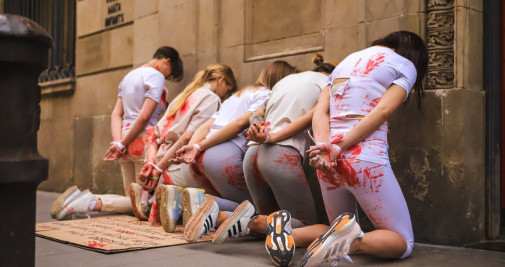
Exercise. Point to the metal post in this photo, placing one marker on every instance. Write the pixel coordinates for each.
(24, 49)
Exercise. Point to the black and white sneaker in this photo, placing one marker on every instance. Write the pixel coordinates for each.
(203, 220)
(236, 225)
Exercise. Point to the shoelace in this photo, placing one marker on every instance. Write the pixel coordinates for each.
(336, 259)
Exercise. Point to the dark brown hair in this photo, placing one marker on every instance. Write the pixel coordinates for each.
(175, 62)
(412, 47)
(321, 65)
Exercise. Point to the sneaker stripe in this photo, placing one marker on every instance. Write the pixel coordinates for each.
(229, 233)
(210, 220)
(234, 229)
(239, 227)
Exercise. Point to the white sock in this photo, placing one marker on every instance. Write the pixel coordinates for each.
(92, 205)
(144, 197)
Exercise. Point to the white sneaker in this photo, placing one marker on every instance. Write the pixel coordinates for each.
(236, 225)
(63, 200)
(79, 204)
(170, 206)
(191, 200)
(334, 244)
(203, 220)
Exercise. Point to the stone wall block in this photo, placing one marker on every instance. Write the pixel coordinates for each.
(468, 48)
(231, 23)
(58, 149)
(234, 57)
(382, 27)
(121, 47)
(56, 112)
(145, 8)
(476, 5)
(337, 48)
(97, 94)
(381, 9)
(464, 126)
(88, 20)
(92, 53)
(107, 177)
(207, 27)
(146, 38)
(415, 6)
(177, 23)
(83, 149)
(340, 13)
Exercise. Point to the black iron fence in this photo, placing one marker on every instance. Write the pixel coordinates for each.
(57, 17)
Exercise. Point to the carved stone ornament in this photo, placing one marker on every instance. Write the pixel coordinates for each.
(440, 42)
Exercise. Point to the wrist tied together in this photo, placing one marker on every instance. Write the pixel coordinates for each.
(119, 144)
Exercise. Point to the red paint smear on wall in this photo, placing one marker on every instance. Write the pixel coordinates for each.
(136, 147)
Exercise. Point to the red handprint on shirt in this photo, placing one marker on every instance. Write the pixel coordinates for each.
(372, 63)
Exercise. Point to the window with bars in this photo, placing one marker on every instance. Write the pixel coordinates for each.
(57, 17)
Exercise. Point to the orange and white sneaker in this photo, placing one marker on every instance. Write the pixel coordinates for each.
(279, 243)
(335, 243)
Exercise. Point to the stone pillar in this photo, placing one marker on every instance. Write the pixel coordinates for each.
(23, 55)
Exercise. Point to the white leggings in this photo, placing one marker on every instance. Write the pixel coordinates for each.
(375, 188)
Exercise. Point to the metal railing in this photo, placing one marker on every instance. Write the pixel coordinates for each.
(57, 17)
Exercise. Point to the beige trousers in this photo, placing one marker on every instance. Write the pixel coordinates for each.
(131, 164)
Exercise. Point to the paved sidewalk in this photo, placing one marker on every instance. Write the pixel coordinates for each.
(244, 253)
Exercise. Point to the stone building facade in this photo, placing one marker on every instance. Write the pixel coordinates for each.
(438, 151)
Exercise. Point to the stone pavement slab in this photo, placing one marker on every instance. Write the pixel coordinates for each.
(244, 252)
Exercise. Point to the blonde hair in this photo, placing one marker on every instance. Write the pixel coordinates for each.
(212, 72)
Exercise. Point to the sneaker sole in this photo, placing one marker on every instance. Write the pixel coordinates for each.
(280, 245)
(337, 228)
(135, 206)
(187, 206)
(222, 232)
(194, 224)
(57, 205)
(166, 216)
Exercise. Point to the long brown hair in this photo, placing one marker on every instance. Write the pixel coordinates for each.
(412, 47)
(212, 72)
(270, 75)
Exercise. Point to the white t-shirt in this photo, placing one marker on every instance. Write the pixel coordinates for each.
(138, 84)
(371, 72)
(291, 98)
(234, 107)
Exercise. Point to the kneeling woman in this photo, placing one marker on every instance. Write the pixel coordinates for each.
(352, 154)
(221, 143)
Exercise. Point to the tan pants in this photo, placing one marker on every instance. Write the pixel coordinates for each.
(131, 164)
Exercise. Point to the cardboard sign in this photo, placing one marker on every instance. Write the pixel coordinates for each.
(111, 234)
